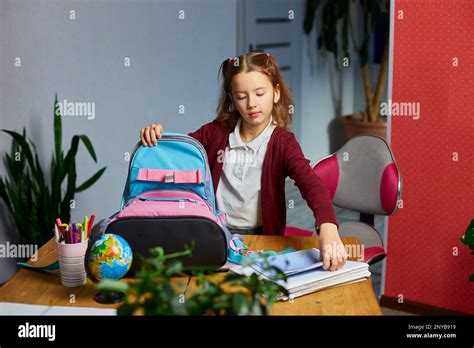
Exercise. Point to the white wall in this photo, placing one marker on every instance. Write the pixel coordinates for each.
(173, 62)
(320, 131)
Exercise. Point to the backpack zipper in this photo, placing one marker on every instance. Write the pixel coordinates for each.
(163, 199)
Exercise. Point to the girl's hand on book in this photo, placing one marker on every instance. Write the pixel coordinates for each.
(332, 249)
(150, 134)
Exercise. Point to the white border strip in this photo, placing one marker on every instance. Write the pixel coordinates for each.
(389, 126)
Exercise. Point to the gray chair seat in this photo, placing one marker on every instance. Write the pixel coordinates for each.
(372, 248)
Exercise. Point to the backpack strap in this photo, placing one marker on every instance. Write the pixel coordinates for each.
(239, 253)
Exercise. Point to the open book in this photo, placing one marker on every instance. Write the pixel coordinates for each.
(304, 272)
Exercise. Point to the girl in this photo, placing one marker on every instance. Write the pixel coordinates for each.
(251, 152)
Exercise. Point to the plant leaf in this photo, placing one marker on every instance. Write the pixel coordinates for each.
(91, 181)
(240, 304)
(345, 34)
(112, 285)
(25, 147)
(4, 194)
(69, 169)
(311, 8)
(70, 157)
(88, 146)
(57, 129)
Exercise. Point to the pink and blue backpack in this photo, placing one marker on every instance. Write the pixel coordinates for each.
(169, 201)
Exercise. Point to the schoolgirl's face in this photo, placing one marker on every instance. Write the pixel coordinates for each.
(253, 96)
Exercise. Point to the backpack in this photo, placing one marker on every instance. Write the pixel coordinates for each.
(169, 201)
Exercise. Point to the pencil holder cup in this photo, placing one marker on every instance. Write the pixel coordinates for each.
(71, 263)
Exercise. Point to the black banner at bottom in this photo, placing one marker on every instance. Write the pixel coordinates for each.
(45, 330)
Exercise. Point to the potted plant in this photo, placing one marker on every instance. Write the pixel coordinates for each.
(331, 39)
(33, 203)
(153, 291)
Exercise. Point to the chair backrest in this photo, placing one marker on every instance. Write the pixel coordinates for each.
(363, 176)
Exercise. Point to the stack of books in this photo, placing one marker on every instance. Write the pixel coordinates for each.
(304, 272)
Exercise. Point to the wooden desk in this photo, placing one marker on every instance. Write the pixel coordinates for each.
(45, 288)
(351, 299)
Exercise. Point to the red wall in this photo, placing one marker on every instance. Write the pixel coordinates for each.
(438, 192)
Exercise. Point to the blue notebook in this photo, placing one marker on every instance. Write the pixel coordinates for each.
(291, 263)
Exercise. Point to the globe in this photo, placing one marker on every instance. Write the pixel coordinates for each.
(110, 257)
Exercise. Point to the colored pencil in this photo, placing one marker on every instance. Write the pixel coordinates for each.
(60, 226)
(91, 224)
(74, 229)
(71, 236)
(85, 227)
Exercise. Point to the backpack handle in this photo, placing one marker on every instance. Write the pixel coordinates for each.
(170, 176)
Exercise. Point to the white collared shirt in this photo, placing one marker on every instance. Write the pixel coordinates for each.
(238, 192)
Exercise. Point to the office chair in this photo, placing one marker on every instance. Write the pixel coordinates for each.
(362, 176)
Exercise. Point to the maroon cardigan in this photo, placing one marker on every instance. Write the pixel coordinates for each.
(283, 158)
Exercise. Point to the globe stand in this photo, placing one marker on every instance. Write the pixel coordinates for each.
(109, 297)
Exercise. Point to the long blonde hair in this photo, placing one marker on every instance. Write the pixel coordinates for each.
(263, 63)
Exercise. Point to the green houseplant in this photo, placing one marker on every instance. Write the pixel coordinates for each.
(154, 292)
(33, 203)
(330, 38)
(468, 239)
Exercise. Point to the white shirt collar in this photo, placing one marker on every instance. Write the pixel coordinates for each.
(236, 141)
